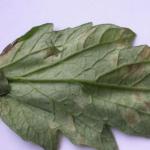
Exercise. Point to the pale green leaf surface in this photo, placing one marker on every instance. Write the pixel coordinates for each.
(59, 46)
(30, 123)
(79, 82)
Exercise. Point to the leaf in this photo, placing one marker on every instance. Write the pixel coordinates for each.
(31, 123)
(4, 86)
(79, 82)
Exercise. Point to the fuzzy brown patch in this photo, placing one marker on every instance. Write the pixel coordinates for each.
(8, 48)
(138, 96)
(137, 68)
(135, 71)
(131, 118)
(145, 54)
(147, 104)
(53, 51)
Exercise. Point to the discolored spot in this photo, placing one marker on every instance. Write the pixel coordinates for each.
(145, 107)
(8, 48)
(53, 51)
(145, 54)
(138, 96)
(147, 104)
(131, 118)
(81, 140)
(136, 69)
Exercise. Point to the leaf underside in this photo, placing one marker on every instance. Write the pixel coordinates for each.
(78, 82)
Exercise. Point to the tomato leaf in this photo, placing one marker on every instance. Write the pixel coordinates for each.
(78, 82)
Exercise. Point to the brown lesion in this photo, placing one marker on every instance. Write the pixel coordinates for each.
(135, 68)
(8, 48)
(53, 51)
(147, 105)
(135, 71)
(144, 54)
(131, 118)
(132, 72)
(138, 96)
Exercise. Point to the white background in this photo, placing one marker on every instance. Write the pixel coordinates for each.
(18, 16)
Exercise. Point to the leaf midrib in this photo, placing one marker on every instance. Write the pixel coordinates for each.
(78, 81)
(92, 84)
